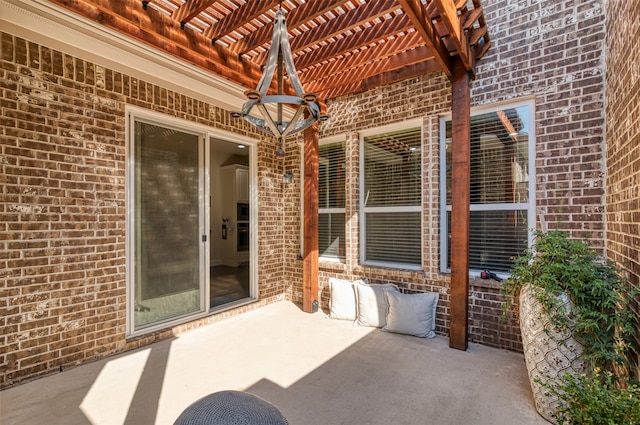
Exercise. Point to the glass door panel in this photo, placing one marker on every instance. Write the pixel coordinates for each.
(231, 223)
(167, 224)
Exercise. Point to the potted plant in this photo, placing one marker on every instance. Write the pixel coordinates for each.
(575, 318)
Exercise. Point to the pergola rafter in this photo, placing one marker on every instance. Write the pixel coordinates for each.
(323, 34)
(190, 9)
(300, 15)
(342, 24)
(385, 49)
(389, 27)
(370, 69)
(239, 17)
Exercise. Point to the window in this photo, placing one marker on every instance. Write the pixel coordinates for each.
(391, 199)
(501, 192)
(331, 194)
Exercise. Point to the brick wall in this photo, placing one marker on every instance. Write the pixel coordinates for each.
(547, 50)
(623, 136)
(62, 186)
(555, 52)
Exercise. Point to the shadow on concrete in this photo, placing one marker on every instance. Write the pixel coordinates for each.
(395, 379)
(146, 400)
(72, 401)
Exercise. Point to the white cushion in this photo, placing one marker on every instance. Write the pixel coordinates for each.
(372, 306)
(342, 304)
(412, 314)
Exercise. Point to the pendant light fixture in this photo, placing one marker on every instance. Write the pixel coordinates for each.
(279, 59)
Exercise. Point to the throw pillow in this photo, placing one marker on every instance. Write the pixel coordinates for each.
(342, 304)
(372, 306)
(412, 314)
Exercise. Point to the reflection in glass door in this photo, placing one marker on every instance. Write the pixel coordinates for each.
(167, 228)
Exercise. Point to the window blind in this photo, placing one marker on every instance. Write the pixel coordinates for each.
(392, 169)
(499, 188)
(392, 197)
(331, 200)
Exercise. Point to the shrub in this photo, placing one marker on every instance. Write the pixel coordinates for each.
(600, 297)
(597, 399)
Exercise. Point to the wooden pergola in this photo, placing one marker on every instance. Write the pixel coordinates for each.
(340, 47)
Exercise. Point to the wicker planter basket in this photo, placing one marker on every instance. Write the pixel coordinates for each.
(549, 352)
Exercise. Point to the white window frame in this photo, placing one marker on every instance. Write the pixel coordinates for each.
(528, 206)
(404, 125)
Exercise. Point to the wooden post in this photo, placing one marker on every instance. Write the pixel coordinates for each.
(460, 186)
(310, 250)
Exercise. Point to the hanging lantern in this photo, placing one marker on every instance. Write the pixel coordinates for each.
(279, 59)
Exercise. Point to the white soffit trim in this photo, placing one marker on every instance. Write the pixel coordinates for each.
(45, 23)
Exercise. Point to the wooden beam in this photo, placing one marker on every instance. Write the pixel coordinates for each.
(156, 29)
(449, 15)
(392, 63)
(383, 79)
(356, 17)
(310, 250)
(481, 49)
(340, 25)
(460, 198)
(506, 123)
(189, 9)
(239, 17)
(301, 14)
(362, 38)
(477, 34)
(362, 57)
(470, 18)
(420, 19)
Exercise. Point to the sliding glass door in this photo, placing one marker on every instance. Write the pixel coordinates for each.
(167, 227)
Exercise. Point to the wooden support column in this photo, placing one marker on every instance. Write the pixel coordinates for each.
(460, 186)
(310, 250)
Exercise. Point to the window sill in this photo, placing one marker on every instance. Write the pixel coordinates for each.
(484, 283)
(335, 264)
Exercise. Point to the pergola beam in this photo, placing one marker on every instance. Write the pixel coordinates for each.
(418, 15)
(506, 123)
(385, 78)
(310, 230)
(449, 15)
(154, 28)
(460, 198)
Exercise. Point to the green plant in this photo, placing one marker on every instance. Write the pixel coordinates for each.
(600, 297)
(596, 399)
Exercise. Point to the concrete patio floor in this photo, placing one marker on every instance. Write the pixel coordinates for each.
(315, 370)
